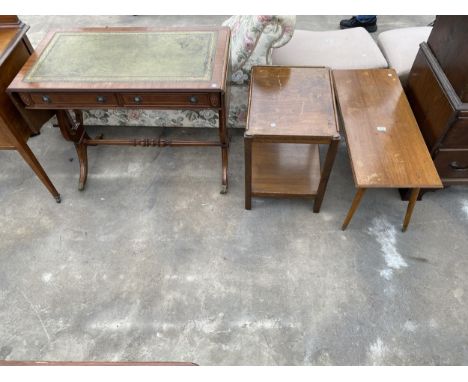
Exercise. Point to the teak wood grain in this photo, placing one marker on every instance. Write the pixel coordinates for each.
(280, 169)
(385, 144)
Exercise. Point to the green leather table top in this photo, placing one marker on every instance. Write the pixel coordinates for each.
(126, 57)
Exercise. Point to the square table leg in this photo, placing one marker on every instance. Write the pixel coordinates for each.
(327, 167)
(354, 206)
(248, 172)
(409, 210)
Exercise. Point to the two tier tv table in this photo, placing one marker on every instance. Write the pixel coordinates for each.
(291, 111)
(142, 68)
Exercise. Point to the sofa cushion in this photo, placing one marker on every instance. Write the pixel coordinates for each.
(400, 47)
(337, 49)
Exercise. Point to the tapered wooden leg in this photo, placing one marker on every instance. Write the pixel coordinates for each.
(354, 206)
(409, 211)
(31, 159)
(248, 172)
(224, 138)
(26, 153)
(327, 167)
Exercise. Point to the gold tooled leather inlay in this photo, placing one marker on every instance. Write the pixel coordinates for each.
(126, 56)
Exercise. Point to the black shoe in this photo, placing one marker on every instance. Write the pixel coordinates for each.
(353, 22)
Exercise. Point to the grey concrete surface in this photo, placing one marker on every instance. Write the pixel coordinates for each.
(150, 262)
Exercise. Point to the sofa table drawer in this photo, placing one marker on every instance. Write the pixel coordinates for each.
(173, 100)
(71, 100)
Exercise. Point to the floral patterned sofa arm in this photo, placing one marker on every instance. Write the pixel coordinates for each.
(252, 40)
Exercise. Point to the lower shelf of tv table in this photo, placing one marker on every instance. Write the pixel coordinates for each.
(285, 169)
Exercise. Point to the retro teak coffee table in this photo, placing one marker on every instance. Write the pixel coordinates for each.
(291, 112)
(385, 146)
(105, 68)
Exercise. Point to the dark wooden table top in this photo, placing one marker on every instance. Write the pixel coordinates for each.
(384, 141)
(165, 59)
(291, 101)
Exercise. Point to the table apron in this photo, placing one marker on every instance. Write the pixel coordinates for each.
(127, 100)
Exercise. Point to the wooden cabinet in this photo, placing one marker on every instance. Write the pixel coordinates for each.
(438, 94)
(16, 123)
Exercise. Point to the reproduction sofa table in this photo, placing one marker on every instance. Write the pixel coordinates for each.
(384, 143)
(291, 111)
(140, 68)
(17, 125)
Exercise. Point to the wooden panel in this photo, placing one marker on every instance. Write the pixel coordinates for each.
(291, 101)
(429, 102)
(285, 169)
(170, 100)
(452, 163)
(383, 138)
(50, 100)
(6, 37)
(9, 20)
(5, 141)
(457, 137)
(8, 69)
(448, 42)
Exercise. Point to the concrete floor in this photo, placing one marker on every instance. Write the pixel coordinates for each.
(150, 262)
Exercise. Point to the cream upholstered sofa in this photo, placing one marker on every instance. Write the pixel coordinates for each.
(354, 49)
(400, 47)
(252, 40)
(337, 49)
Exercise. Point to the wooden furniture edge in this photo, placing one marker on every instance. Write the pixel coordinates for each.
(22, 29)
(93, 363)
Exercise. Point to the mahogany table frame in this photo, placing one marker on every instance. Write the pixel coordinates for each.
(190, 95)
(312, 135)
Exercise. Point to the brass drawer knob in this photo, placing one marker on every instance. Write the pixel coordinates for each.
(137, 99)
(46, 99)
(193, 99)
(101, 99)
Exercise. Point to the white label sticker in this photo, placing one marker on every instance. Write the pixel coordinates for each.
(381, 128)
